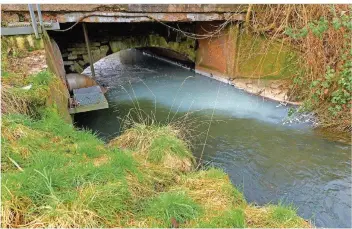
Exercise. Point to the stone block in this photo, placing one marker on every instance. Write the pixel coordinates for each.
(20, 42)
(81, 63)
(72, 57)
(103, 50)
(94, 44)
(79, 52)
(117, 46)
(25, 42)
(83, 45)
(96, 55)
(77, 68)
(68, 62)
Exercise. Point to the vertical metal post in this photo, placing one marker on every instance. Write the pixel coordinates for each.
(88, 49)
(34, 21)
(40, 17)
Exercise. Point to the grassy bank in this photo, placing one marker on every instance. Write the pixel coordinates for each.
(25, 95)
(56, 176)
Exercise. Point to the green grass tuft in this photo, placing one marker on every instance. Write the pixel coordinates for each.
(172, 205)
(108, 200)
(229, 219)
(285, 215)
(167, 144)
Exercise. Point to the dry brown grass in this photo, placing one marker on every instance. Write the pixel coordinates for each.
(103, 159)
(211, 189)
(160, 145)
(262, 217)
(12, 103)
(178, 164)
(140, 136)
(13, 212)
(315, 53)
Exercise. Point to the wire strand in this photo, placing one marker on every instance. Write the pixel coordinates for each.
(187, 34)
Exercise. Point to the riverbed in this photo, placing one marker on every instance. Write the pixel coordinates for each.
(269, 159)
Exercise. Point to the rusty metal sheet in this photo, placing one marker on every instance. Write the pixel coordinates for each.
(54, 57)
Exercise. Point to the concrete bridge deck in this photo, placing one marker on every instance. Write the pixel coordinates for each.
(128, 12)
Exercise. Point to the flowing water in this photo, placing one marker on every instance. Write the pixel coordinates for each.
(268, 160)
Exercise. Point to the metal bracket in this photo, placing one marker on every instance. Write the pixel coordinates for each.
(33, 19)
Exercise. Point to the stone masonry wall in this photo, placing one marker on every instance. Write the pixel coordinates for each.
(76, 56)
(108, 38)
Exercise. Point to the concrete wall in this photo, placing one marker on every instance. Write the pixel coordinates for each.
(217, 53)
(259, 57)
(235, 54)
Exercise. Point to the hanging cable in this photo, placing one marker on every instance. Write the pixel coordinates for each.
(187, 34)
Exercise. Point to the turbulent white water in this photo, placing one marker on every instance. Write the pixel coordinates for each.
(189, 93)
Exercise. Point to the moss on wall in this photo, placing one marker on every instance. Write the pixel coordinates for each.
(260, 57)
(185, 47)
(235, 53)
(59, 97)
(24, 42)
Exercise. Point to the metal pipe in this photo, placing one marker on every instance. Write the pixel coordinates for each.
(40, 17)
(85, 31)
(75, 81)
(34, 21)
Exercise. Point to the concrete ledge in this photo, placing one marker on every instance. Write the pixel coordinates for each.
(227, 80)
(161, 8)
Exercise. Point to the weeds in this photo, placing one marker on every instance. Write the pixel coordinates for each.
(15, 99)
(321, 34)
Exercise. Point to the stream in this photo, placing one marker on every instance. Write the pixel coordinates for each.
(268, 159)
